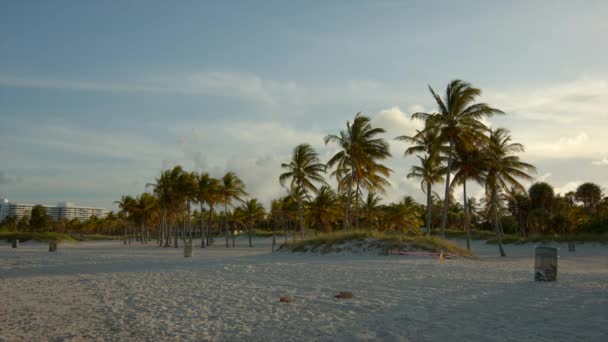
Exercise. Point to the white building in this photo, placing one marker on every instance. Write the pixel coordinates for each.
(62, 210)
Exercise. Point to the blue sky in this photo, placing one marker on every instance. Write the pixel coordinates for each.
(97, 97)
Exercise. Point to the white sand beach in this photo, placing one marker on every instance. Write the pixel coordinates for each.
(104, 291)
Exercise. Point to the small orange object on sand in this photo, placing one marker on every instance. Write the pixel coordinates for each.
(284, 299)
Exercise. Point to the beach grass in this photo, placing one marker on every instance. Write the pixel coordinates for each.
(326, 243)
(48, 236)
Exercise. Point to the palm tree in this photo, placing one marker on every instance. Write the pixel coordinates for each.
(127, 205)
(468, 164)
(542, 197)
(188, 191)
(145, 205)
(430, 171)
(402, 216)
(276, 214)
(207, 192)
(358, 161)
(504, 169)
(303, 170)
(372, 209)
(324, 209)
(590, 194)
(459, 121)
(231, 188)
(166, 190)
(253, 211)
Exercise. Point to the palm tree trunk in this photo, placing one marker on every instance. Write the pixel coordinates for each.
(202, 227)
(226, 222)
(446, 199)
(250, 243)
(467, 222)
(301, 220)
(233, 231)
(346, 222)
(428, 208)
(274, 226)
(176, 228)
(189, 222)
(496, 228)
(210, 226)
(124, 240)
(357, 207)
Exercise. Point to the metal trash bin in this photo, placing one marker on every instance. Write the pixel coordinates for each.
(15, 243)
(52, 245)
(187, 249)
(571, 247)
(545, 268)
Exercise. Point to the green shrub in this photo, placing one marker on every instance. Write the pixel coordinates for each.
(36, 236)
(383, 240)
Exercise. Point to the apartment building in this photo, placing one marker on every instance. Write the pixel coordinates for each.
(62, 210)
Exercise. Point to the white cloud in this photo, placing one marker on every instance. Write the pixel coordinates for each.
(564, 103)
(578, 145)
(569, 186)
(544, 177)
(396, 122)
(601, 162)
(553, 122)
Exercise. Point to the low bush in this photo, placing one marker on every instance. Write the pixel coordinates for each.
(374, 240)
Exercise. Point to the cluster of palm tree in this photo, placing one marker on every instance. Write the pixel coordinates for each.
(541, 211)
(169, 212)
(456, 143)
(358, 171)
(455, 147)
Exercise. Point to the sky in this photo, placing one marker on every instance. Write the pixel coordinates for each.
(97, 97)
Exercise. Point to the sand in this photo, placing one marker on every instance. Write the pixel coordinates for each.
(104, 291)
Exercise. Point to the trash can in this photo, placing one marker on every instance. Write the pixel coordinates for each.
(571, 247)
(187, 249)
(52, 245)
(15, 243)
(545, 268)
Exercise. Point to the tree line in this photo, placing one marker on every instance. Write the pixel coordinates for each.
(455, 147)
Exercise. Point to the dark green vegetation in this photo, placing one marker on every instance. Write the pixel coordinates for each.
(454, 148)
(48, 236)
(374, 241)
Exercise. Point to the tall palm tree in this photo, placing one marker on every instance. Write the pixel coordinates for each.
(167, 191)
(188, 191)
(304, 169)
(231, 188)
(253, 211)
(145, 205)
(127, 206)
(430, 171)
(469, 163)
(276, 215)
(357, 162)
(206, 193)
(504, 169)
(459, 121)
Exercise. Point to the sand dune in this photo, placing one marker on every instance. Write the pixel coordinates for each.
(105, 291)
